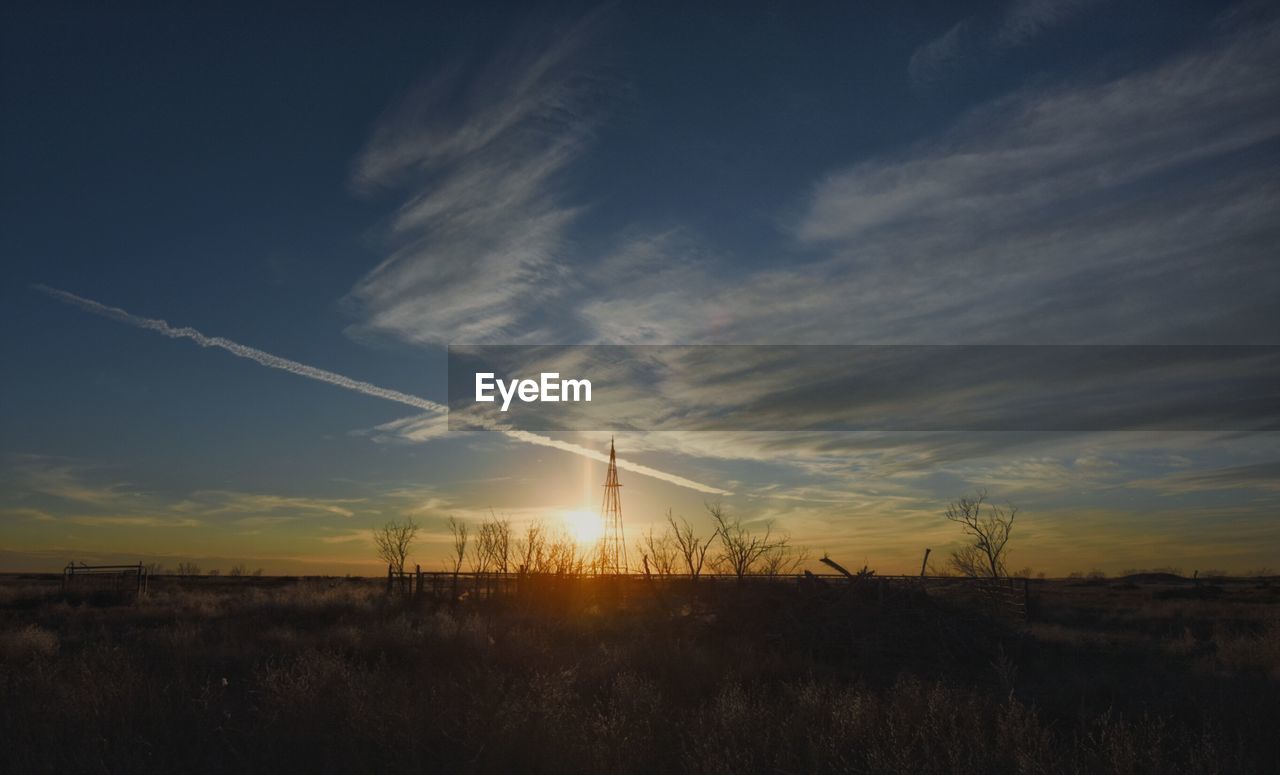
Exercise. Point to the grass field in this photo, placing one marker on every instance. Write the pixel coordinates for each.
(332, 675)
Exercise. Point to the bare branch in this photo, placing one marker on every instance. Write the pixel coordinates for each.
(393, 541)
(691, 548)
(989, 530)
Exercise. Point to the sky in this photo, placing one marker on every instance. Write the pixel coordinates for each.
(318, 202)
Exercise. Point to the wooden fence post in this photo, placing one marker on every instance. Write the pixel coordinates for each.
(417, 581)
(390, 588)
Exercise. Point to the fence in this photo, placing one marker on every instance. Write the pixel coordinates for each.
(118, 578)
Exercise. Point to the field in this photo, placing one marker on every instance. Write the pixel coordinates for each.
(578, 675)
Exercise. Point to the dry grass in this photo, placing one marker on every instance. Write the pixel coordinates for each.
(1251, 654)
(331, 677)
(26, 644)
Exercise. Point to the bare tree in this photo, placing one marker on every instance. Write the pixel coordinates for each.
(493, 545)
(740, 549)
(502, 544)
(988, 529)
(481, 550)
(236, 570)
(531, 549)
(187, 569)
(660, 550)
(495, 539)
(783, 559)
(562, 555)
(691, 548)
(393, 541)
(460, 533)
(969, 561)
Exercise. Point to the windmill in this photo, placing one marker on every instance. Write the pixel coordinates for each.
(613, 545)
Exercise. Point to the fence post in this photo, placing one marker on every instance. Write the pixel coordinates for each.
(390, 588)
(1026, 598)
(417, 581)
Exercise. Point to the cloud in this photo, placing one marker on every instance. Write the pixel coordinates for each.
(1132, 210)
(1037, 148)
(1023, 20)
(481, 157)
(978, 38)
(416, 428)
(263, 506)
(132, 521)
(1262, 477)
(942, 54)
(349, 537)
(71, 491)
(34, 515)
(66, 480)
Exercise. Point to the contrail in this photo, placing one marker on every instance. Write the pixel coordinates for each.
(321, 375)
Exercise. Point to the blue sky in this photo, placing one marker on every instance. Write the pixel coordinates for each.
(354, 190)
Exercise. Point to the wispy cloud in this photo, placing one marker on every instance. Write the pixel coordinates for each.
(1023, 20)
(65, 479)
(977, 38)
(1087, 212)
(74, 492)
(348, 537)
(254, 505)
(132, 520)
(1260, 477)
(416, 428)
(481, 156)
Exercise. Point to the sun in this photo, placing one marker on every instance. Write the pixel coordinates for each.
(584, 526)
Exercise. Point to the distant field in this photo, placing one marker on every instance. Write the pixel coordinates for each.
(568, 675)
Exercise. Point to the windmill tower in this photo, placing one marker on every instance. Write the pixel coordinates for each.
(613, 546)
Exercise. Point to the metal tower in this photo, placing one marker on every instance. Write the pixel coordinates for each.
(613, 546)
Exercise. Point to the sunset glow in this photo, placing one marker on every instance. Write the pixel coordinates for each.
(583, 526)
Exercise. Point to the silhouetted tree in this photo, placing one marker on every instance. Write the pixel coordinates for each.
(692, 549)
(740, 549)
(393, 541)
(660, 551)
(531, 549)
(783, 559)
(988, 530)
(460, 533)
